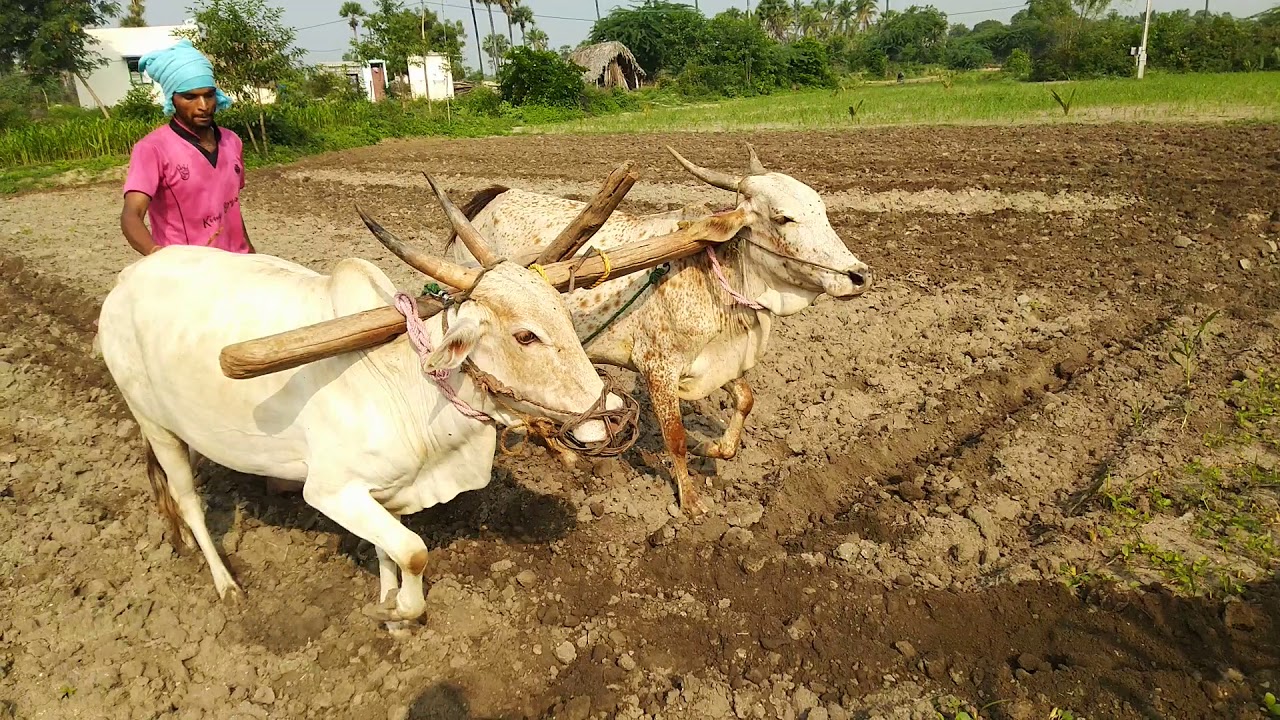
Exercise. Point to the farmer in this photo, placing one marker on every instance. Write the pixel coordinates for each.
(185, 176)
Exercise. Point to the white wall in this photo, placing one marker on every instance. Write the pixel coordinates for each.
(430, 77)
(111, 81)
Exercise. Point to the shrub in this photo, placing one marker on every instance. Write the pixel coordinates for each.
(539, 77)
(1019, 64)
(808, 65)
(482, 101)
(139, 104)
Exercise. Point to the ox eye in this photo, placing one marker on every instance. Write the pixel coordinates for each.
(783, 219)
(526, 337)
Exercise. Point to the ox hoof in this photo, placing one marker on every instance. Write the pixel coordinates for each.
(692, 503)
(387, 612)
(231, 594)
(714, 451)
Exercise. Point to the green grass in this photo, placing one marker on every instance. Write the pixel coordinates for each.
(15, 179)
(971, 99)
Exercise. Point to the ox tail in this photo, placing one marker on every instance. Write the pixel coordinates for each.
(472, 208)
(164, 499)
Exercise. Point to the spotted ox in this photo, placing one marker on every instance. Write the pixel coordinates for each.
(693, 333)
(369, 435)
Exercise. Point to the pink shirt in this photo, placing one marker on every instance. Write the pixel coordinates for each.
(195, 196)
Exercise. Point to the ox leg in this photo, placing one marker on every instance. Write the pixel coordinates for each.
(174, 458)
(666, 405)
(354, 509)
(743, 401)
(388, 575)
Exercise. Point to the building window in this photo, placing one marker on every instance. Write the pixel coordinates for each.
(135, 75)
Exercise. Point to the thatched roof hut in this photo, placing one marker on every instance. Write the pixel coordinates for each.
(609, 65)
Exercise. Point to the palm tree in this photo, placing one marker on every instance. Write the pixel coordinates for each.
(492, 30)
(846, 17)
(774, 17)
(135, 16)
(522, 15)
(508, 7)
(864, 11)
(352, 11)
(496, 46)
(476, 24)
(809, 22)
(537, 39)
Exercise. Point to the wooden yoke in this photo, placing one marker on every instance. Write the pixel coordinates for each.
(370, 328)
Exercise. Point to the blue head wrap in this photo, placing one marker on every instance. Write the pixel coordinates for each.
(181, 68)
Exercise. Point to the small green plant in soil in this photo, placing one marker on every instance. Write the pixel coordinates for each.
(1186, 352)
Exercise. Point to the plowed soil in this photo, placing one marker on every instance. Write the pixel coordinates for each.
(989, 484)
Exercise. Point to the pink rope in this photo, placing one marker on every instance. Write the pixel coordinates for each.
(724, 283)
(417, 331)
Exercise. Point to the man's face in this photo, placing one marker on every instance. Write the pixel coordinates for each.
(195, 108)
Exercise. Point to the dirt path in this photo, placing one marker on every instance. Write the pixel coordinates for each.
(987, 484)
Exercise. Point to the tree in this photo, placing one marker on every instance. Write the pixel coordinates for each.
(394, 33)
(352, 11)
(492, 31)
(496, 47)
(864, 12)
(662, 35)
(135, 17)
(249, 47)
(539, 77)
(46, 39)
(522, 15)
(775, 17)
(476, 25)
(537, 39)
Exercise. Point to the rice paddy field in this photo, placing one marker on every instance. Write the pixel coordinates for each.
(970, 100)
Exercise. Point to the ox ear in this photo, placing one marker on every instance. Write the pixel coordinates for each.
(456, 346)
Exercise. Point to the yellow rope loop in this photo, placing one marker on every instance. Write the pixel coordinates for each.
(608, 267)
(538, 269)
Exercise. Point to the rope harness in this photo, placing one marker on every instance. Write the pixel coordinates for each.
(621, 425)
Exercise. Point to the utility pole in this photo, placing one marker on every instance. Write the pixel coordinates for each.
(597, 9)
(1142, 49)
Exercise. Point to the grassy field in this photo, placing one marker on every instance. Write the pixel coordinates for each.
(968, 101)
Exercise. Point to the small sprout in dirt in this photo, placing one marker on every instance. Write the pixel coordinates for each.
(1273, 707)
(1186, 353)
(1060, 714)
(1064, 103)
(65, 692)
(1073, 577)
(1257, 404)
(1138, 415)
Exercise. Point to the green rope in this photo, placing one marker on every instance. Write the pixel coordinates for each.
(655, 276)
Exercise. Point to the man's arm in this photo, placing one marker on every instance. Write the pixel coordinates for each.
(131, 224)
(248, 242)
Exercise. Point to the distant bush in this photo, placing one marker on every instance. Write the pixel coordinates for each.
(139, 104)
(539, 77)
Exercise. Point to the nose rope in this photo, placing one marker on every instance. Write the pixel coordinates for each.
(417, 331)
(622, 427)
(724, 283)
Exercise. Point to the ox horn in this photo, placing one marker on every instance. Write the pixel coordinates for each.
(463, 227)
(755, 167)
(715, 178)
(442, 270)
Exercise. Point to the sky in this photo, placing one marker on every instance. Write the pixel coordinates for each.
(325, 36)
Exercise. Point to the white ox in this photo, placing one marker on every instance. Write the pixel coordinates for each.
(689, 336)
(368, 434)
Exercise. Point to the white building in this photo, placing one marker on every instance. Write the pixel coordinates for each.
(123, 48)
(430, 77)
